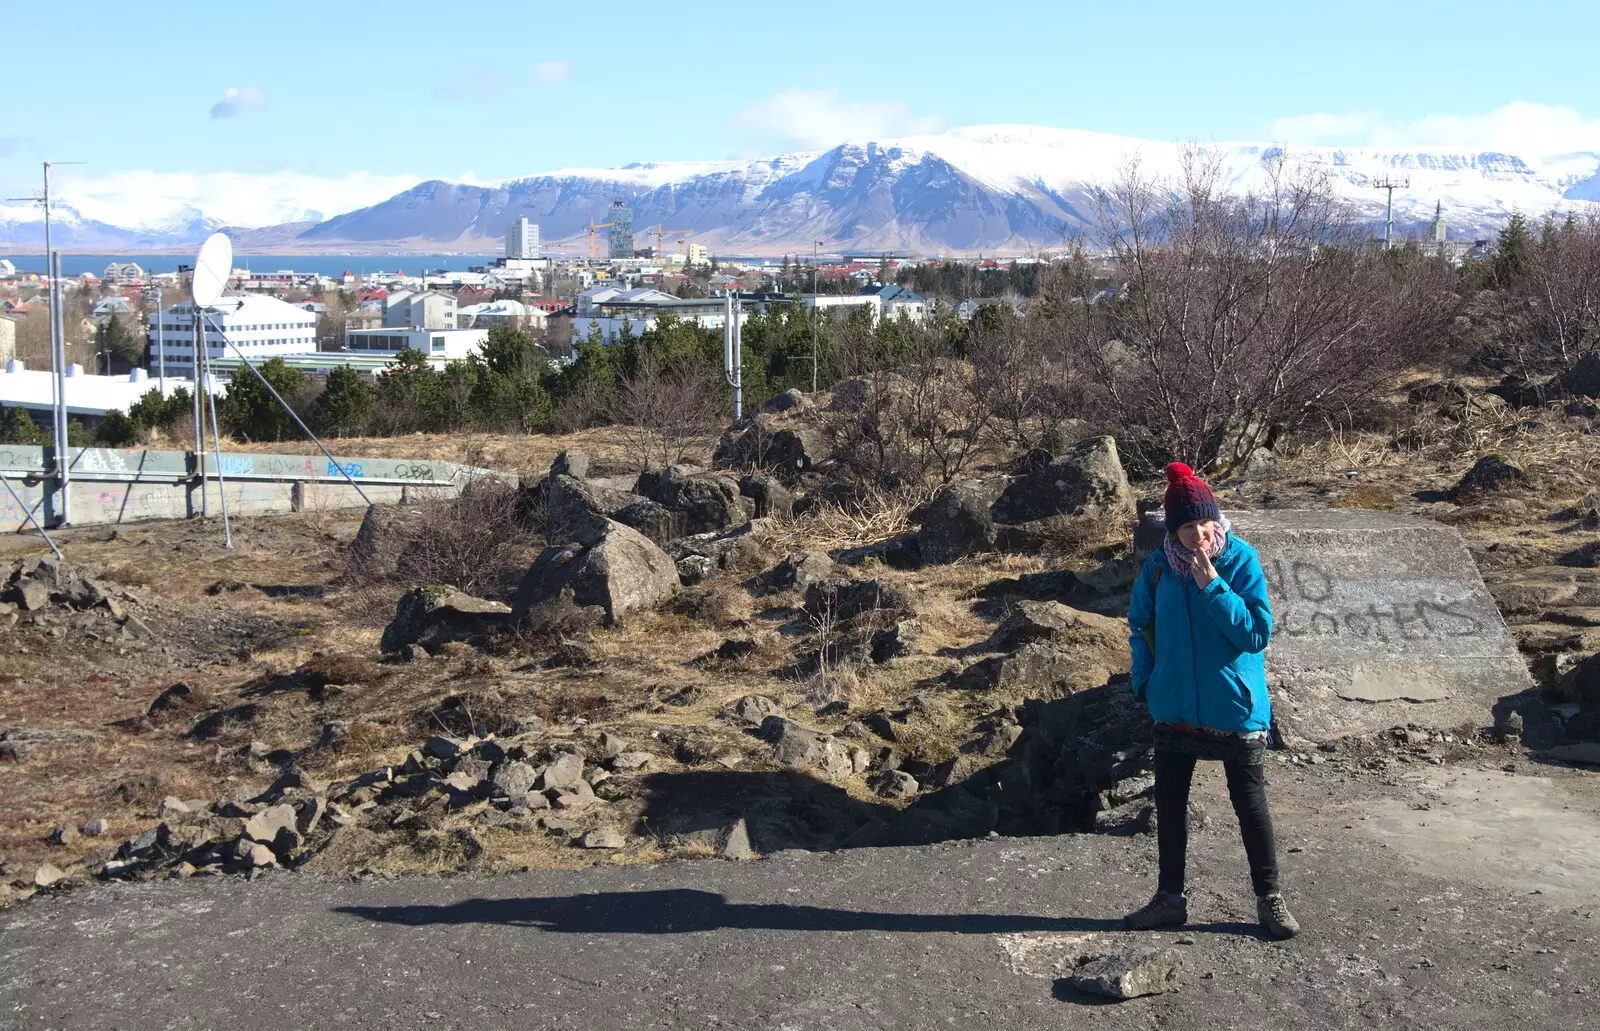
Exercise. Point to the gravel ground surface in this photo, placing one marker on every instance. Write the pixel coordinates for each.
(1433, 897)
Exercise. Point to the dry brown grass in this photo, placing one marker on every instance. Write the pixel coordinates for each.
(529, 455)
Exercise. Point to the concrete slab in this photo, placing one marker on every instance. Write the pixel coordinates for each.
(1380, 620)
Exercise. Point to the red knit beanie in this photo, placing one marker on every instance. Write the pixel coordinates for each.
(1188, 498)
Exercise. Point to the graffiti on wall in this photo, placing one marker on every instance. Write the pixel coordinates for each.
(1304, 604)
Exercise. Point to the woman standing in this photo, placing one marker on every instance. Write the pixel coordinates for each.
(1201, 622)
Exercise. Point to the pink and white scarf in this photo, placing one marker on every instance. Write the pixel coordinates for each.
(1178, 556)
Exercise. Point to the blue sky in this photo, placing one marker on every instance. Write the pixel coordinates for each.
(342, 101)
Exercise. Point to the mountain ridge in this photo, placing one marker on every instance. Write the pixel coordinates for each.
(996, 188)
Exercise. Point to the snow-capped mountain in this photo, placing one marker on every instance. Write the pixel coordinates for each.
(989, 188)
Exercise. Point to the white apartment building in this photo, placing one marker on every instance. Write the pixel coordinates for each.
(260, 327)
(427, 310)
(522, 239)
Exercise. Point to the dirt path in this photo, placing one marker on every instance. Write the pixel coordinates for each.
(1415, 918)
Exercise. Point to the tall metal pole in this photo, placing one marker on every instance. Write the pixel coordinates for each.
(161, 347)
(216, 443)
(737, 368)
(199, 417)
(1390, 185)
(59, 347)
(814, 348)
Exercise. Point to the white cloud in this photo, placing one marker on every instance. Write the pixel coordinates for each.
(147, 199)
(236, 102)
(820, 118)
(1526, 129)
(556, 70)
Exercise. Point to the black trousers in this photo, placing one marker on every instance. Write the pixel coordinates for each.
(1247, 786)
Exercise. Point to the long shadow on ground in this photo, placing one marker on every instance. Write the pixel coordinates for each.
(686, 910)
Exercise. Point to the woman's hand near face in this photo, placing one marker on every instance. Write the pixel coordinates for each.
(1201, 569)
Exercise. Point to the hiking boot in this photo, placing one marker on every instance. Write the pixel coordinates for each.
(1272, 913)
(1164, 910)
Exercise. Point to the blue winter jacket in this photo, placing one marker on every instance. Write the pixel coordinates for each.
(1209, 669)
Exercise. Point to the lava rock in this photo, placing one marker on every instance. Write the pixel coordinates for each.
(1130, 974)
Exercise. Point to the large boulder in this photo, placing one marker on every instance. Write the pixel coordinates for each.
(772, 499)
(1082, 488)
(571, 462)
(957, 521)
(1087, 481)
(656, 521)
(1582, 380)
(575, 509)
(786, 447)
(616, 572)
(430, 616)
(385, 532)
(1493, 472)
(708, 503)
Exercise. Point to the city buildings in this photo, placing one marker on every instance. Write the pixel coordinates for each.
(608, 310)
(259, 326)
(699, 254)
(522, 239)
(123, 272)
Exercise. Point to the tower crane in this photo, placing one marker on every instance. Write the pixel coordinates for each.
(662, 234)
(591, 228)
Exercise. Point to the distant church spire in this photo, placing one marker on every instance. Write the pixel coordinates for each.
(1438, 222)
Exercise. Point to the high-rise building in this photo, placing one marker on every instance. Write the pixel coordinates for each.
(522, 239)
(621, 219)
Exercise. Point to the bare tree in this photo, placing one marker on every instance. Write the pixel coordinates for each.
(1240, 316)
(1562, 279)
(668, 410)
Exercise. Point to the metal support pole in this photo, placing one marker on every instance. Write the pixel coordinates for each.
(161, 348)
(738, 363)
(731, 357)
(298, 421)
(199, 417)
(59, 350)
(216, 444)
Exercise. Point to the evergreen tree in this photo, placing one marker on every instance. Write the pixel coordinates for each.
(1511, 254)
(113, 339)
(17, 427)
(251, 411)
(344, 408)
(116, 430)
(410, 395)
(152, 411)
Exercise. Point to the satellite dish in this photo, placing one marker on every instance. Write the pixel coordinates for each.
(211, 269)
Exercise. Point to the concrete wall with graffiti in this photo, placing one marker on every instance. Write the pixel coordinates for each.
(109, 485)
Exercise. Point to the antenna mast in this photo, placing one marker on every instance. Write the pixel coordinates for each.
(1390, 185)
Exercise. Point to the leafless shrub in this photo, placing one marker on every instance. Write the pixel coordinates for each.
(667, 410)
(1559, 293)
(1239, 317)
(475, 541)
